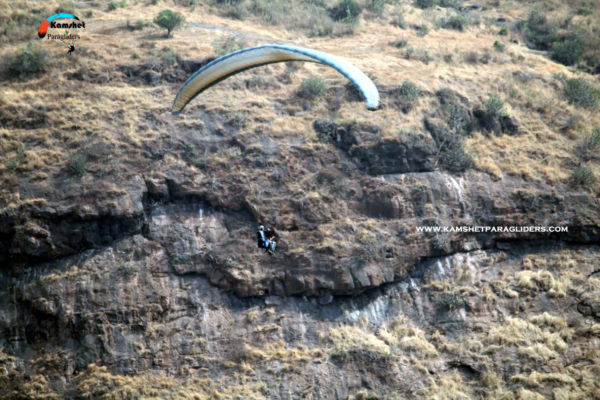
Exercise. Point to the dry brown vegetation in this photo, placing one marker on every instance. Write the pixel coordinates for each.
(40, 134)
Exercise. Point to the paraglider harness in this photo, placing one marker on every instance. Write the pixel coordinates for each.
(266, 240)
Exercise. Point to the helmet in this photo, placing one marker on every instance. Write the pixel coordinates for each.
(261, 228)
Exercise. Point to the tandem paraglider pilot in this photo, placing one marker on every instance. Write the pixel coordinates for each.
(266, 239)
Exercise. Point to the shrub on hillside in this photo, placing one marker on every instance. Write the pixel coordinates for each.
(312, 87)
(569, 42)
(452, 300)
(235, 9)
(580, 92)
(569, 51)
(589, 145)
(378, 6)
(499, 46)
(27, 60)
(455, 157)
(400, 43)
(170, 20)
(138, 25)
(539, 32)
(226, 45)
(456, 22)
(113, 5)
(451, 152)
(450, 3)
(421, 30)
(346, 11)
(77, 164)
(583, 176)
(457, 118)
(425, 3)
(494, 106)
(406, 96)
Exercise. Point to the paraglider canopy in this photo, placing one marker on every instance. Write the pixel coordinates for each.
(240, 60)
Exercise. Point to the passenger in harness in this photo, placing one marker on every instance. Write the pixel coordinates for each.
(266, 240)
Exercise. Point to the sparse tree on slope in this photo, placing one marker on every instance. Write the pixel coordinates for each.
(170, 20)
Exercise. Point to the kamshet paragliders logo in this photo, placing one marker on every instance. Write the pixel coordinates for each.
(62, 26)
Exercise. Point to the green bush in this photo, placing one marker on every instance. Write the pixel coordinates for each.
(312, 87)
(227, 45)
(400, 43)
(138, 25)
(589, 145)
(539, 32)
(494, 106)
(450, 3)
(423, 56)
(422, 30)
(27, 60)
(113, 5)
(568, 51)
(169, 55)
(425, 3)
(451, 152)
(580, 92)
(456, 22)
(503, 31)
(457, 118)
(453, 300)
(14, 163)
(456, 159)
(569, 43)
(77, 164)
(593, 139)
(169, 20)
(377, 6)
(583, 176)
(499, 46)
(346, 11)
(408, 94)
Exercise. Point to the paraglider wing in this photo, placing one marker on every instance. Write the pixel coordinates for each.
(232, 63)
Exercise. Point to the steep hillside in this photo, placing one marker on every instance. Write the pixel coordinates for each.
(127, 234)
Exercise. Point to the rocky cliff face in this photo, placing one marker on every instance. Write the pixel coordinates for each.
(128, 308)
(162, 274)
(347, 210)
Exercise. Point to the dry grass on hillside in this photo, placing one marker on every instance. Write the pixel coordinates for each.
(47, 117)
